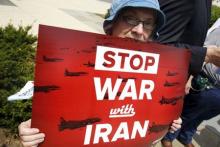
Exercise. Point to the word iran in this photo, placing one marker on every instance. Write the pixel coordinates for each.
(104, 131)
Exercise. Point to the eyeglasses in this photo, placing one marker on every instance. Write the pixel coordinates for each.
(133, 21)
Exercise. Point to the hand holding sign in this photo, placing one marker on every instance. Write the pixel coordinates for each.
(30, 136)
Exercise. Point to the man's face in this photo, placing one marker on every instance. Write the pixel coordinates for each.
(135, 23)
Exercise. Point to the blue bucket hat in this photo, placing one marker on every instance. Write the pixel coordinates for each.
(118, 5)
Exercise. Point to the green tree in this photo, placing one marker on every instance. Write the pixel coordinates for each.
(17, 52)
(215, 14)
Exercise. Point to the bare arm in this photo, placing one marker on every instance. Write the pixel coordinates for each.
(213, 55)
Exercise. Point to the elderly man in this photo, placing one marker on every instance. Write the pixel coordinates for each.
(136, 19)
(111, 25)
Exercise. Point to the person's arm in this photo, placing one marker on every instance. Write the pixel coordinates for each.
(213, 55)
(198, 55)
(30, 137)
(188, 84)
(209, 54)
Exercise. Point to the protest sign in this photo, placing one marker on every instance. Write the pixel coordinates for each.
(97, 90)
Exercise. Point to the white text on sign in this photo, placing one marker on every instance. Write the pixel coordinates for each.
(121, 60)
(103, 132)
(129, 90)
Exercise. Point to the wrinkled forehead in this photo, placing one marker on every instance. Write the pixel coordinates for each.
(142, 13)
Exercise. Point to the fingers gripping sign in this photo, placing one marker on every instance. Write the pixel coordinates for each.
(30, 136)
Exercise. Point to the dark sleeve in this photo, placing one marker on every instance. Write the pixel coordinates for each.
(197, 57)
(178, 15)
(195, 32)
(186, 21)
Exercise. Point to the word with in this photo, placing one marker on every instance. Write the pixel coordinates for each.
(124, 111)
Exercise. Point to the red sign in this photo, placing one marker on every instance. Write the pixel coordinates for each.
(97, 90)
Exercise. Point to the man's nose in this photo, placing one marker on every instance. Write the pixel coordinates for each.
(139, 29)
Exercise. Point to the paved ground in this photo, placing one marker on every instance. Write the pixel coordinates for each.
(83, 15)
(66, 13)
